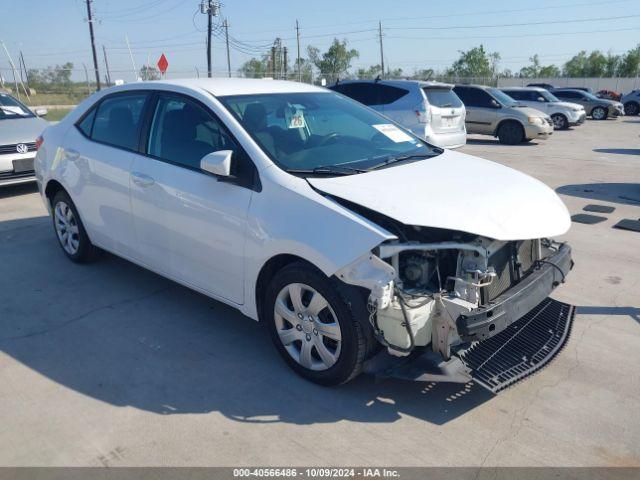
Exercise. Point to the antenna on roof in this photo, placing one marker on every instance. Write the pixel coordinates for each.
(377, 79)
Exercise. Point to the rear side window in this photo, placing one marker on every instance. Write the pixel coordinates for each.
(567, 94)
(517, 94)
(442, 97)
(117, 120)
(474, 97)
(371, 94)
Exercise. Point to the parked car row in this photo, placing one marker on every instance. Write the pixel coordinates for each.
(443, 114)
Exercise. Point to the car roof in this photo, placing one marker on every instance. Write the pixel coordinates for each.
(400, 83)
(526, 89)
(483, 87)
(577, 90)
(229, 86)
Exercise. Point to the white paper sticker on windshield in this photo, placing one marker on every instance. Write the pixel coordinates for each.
(14, 110)
(392, 132)
(295, 120)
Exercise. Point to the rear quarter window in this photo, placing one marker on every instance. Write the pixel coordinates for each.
(117, 120)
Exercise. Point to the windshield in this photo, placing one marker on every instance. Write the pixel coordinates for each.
(12, 108)
(590, 96)
(548, 96)
(504, 99)
(322, 131)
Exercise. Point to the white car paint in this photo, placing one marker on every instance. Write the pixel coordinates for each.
(573, 112)
(457, 192)
(216, 237)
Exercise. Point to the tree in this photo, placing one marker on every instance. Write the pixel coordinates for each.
(423, 74)
(629, 65)
(536, 70)
(149, 73)
(335, 62)
(476, 62)
(254, 68)
(306, 70)
(57, 75)
(372, 72)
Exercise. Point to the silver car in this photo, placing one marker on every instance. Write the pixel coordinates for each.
(431, 110)
(19, 129)
(597, 108)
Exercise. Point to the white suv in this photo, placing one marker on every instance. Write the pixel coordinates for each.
(431, 110)
(563, 114)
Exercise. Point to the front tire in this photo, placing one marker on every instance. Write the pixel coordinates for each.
(631, 108)
(316, 324)
(72, 236)
(599, 113)
(511, 133)
(560, 122)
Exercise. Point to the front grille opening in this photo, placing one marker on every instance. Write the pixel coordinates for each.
(513, 262)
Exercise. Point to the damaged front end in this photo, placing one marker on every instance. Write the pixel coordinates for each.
(436, 293)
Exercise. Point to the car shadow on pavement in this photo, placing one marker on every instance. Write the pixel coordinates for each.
(623, 193)
(619, 151)
(495, 142)
(20, 189)
(128, 337)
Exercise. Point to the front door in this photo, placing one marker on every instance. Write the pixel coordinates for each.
(190, 224)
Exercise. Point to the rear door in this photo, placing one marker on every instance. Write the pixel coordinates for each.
(98, 155)
(481, 112)
(446, 110)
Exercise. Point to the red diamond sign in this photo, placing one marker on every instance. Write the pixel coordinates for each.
(163, 64)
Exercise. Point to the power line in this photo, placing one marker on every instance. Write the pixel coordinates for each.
(551, 22)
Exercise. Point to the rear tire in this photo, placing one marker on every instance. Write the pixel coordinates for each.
(631, 108)
(560, 122)
(511, 133)
(599, 113)
(68, 227)
(317, 324)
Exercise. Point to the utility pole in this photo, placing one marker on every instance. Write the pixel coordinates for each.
(212, 9)
(106, 64)
(298, 41)
(273, 62)
(93, 44)
(285, 62)
(226, 36)
(381, 49)
(133, 63)
(26, 73)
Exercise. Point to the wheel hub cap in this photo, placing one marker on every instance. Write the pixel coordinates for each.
(307, 326)
(66, 228)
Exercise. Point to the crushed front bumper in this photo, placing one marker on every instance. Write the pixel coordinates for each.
(486, 321)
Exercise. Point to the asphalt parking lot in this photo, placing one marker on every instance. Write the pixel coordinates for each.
(108, 364)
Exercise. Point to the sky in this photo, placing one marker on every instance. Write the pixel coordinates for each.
(416, 33)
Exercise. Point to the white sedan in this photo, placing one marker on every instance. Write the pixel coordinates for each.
(347, 235)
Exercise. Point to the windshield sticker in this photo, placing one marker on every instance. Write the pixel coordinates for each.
(295, 119)
(13, 110)
(393, 133)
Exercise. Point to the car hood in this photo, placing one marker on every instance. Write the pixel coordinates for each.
(527, 111)
(21, 130)
(459, 192)
(567, 105)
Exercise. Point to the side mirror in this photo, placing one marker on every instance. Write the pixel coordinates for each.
(541, 99)
(495, 104)
(218, 163)
(41, 112)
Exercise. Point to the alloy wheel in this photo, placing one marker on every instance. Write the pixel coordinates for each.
(598, 113)
(558, 122)
(307, 327)
(66, 228)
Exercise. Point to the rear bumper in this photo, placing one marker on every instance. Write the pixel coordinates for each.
(444, 140)
(489, 320)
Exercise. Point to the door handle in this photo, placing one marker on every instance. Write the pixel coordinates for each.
(72, 155)
(142, 180)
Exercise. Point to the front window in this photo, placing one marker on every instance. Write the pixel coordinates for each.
(323, 133)
(11, 108)
(504, 99)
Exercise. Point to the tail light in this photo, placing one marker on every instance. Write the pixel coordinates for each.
(423, 113)
(39, 142)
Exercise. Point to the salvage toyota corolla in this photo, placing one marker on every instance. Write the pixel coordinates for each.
(360, 246)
